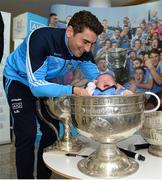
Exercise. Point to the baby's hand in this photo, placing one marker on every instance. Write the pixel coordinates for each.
(127, 92)
(91, 87)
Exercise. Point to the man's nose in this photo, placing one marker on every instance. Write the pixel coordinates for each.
(87, 47)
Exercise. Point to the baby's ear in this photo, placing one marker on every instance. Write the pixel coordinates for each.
(95, 82)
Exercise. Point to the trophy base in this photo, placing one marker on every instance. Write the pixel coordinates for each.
(108, 163)
(74, 145)
(69, 146)
(155, 150)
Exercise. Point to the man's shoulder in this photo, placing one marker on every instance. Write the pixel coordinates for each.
(50, 36)
(49, 31)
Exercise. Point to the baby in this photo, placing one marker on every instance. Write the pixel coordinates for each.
(106, 85)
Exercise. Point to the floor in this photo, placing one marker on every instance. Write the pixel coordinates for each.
(7, 162)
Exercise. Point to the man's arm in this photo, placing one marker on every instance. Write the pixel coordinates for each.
(37, 68)
(156, 76)
(89, 70)
(146, 85)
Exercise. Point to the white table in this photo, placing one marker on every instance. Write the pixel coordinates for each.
(66, 166)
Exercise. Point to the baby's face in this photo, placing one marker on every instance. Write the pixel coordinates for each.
(105, 81)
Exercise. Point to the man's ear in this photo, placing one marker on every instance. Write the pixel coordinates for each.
(69, 31)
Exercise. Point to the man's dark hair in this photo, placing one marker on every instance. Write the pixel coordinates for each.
(131, 51)
(85, 19)
(138, 59)
(117, 29)
(137, 40)
(144, 71)
(155, 51)
(52, 14)
(142, 53)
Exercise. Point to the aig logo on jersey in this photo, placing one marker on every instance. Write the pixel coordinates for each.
(17, 106)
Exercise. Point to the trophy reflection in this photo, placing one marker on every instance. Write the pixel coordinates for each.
(60, 108)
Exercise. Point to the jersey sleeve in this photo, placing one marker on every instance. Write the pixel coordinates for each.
(36, 66)
(89, 70)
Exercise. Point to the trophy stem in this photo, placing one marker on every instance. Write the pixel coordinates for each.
(67, 132)
(66, 143)
(108, 162)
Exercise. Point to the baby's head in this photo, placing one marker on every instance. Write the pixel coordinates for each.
(104, 81)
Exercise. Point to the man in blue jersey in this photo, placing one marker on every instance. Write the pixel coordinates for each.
(47, 53)
(154, 64)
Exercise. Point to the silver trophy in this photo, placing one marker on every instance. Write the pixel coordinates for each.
(152, 132)
(116, 60)
(60, 108)
(108, 120)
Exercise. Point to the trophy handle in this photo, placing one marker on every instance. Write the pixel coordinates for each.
(39, 112)
(158, 102)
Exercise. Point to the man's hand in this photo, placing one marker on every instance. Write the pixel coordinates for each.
(79, 91)
(127, 92)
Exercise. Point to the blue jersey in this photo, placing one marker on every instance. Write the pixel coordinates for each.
(138, 89)
(157, 87)
(37, 64)
(108, 91)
